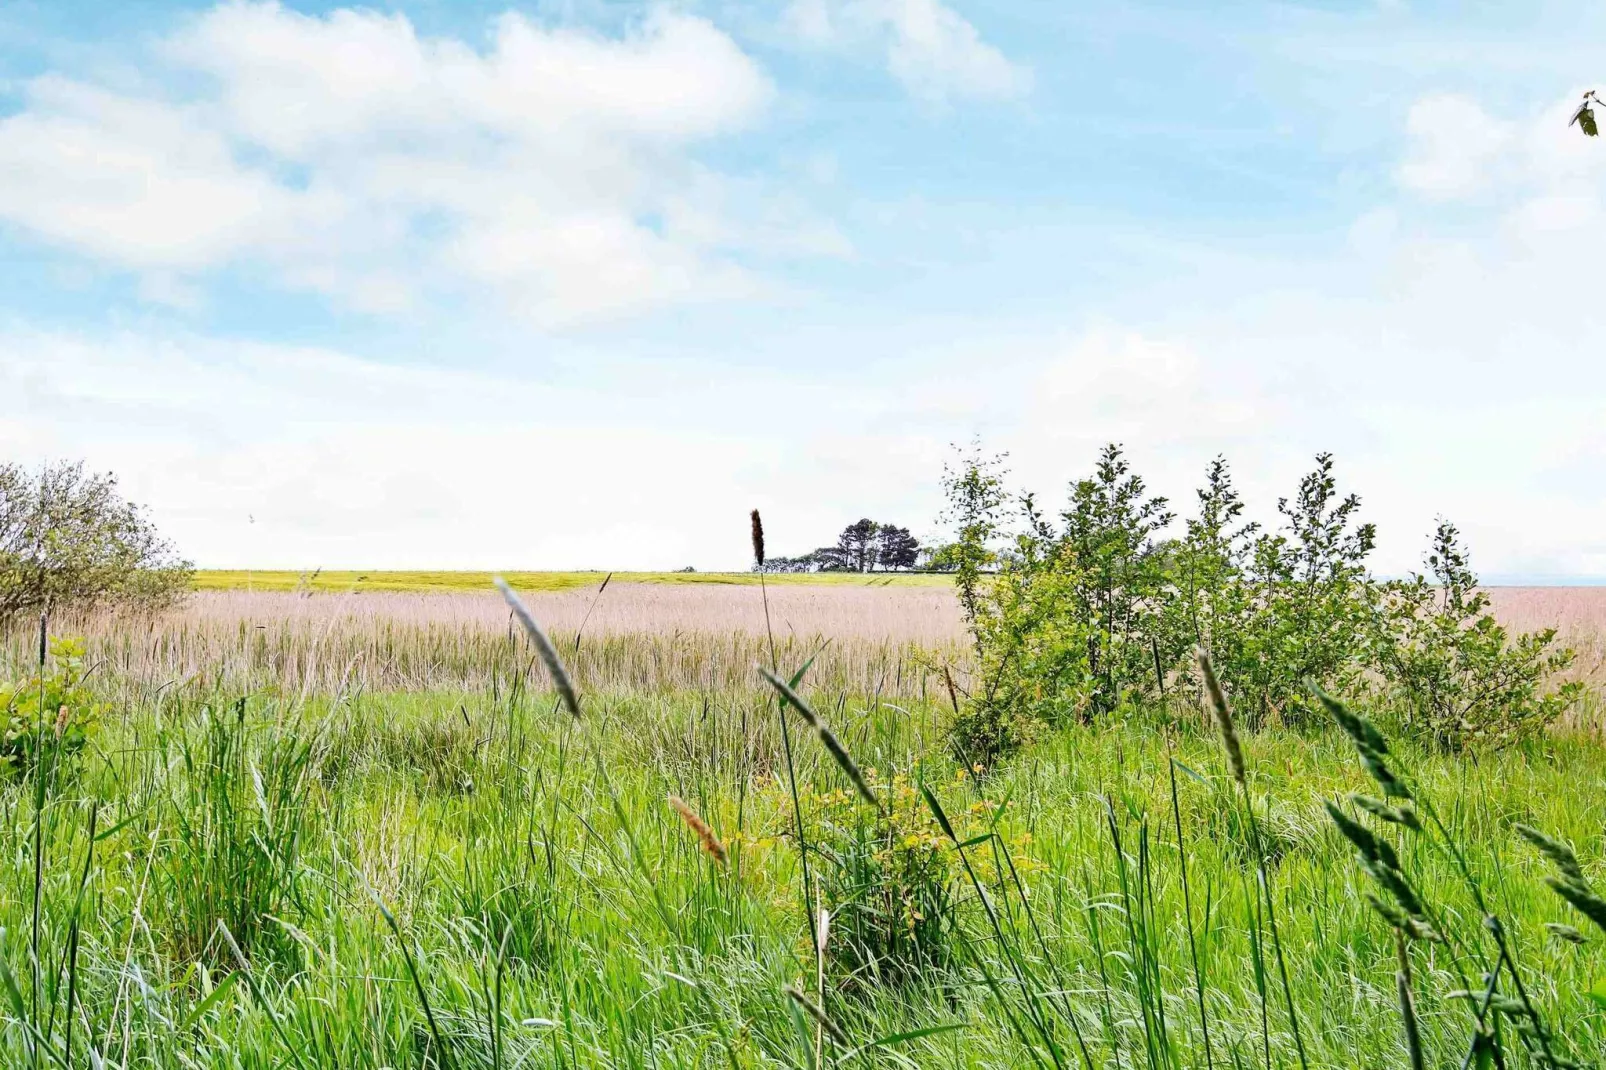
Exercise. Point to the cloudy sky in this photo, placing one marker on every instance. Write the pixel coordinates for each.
(576, 284)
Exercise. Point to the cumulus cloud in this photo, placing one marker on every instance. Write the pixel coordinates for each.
(348, 155)
(935, 52)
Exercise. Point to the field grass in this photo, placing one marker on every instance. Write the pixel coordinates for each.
(446, 582)
(355, 841)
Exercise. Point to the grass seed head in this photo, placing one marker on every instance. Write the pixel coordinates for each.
(1223, 714)
(543, 647)
(1561, 856)
(1565, 933)
(705, 835)
(1369, 744)
(1403, 814)
(833, 745)
(1582, 898)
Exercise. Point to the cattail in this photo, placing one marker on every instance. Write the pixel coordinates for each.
(833, 745)
(758, 540)
(544, 647)
(809, 1007)
(699, 828)
(63, 715)
(822, 932)
(1218, 706)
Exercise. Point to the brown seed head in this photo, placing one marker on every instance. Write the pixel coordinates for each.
(699, 828)
(758, 539)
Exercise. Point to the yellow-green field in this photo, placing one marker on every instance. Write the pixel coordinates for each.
(449, 581)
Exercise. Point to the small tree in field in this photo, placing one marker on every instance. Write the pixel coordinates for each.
(1313, 599)
(68, 538)
(1461, 679)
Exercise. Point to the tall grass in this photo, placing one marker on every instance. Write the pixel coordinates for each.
(267, 866)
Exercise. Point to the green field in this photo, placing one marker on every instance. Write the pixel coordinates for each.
(444, 581)
(294, 866)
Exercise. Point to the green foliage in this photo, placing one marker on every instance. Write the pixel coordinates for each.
(52, 716)
(1506, 1015)
(975, 491)
(1311, 601)
(237, 818)
(1115, 577)
(1212, 601)
(1585, 115)
(1100, 614)
(68, 538)
(1460, 679)
(888, 884)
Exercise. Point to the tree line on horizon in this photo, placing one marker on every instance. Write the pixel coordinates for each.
(869, 546)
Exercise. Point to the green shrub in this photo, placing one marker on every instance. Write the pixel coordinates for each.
(890, 883)
(1458, 677)
(68, 538)
(49, 716)
(1101, 612)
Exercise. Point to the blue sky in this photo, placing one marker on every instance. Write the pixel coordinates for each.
(576, 285)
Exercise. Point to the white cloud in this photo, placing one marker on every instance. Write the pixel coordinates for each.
(347, 155)
(935, 52)
(1455, 147)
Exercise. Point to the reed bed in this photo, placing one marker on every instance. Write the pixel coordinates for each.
(636, 638)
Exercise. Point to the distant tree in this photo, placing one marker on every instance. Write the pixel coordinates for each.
(896, 549)
(68, 538)
(863, 546)
(858, 545)
(944, 557)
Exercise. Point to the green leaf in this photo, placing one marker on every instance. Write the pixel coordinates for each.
(902, 1038)
(209, 1002)
(936, 811)
(1597, 993)
(1190, 772)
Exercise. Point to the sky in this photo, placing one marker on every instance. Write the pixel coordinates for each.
(578, 284)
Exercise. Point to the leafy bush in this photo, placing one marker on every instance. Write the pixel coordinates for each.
(1311, 598)
(68, 538)
(887, 884)
(49, 716)
(1461, 680)
(891, 882)
(1100, 612)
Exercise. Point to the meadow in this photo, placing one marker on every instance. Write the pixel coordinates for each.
(325, 827)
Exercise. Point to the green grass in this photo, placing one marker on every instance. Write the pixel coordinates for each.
(481, 854)
(480, 582)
